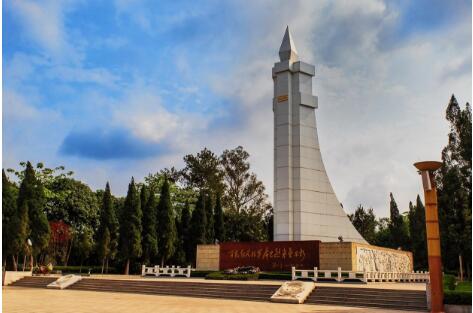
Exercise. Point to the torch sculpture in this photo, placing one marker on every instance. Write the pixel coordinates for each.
(426, 170)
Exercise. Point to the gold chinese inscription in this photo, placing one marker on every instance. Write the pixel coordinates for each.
(282, 98)
(268, 254)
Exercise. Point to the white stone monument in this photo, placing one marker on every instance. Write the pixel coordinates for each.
(305, 205)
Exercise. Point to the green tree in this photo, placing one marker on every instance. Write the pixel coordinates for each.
(245, 201)
(210, 236)
(219, 227)
(107, 235)
(383, 234)
(9, 220)
(397, 227)
(78, 206)
(365, 223)
(130, 229)
(144, 194)
(198, 227)
(166, 224)
(185, 233)
(417, 234)
(31, 197)
(202, 171)
(454, 189)
(150, 240)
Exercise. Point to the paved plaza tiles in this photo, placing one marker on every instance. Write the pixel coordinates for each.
(34, 300)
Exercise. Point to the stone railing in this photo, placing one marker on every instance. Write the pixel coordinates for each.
(172, 271)
(365, 277)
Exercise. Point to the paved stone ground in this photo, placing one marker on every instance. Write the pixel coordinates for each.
(33, 300)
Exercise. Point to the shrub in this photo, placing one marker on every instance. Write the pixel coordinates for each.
(85, 269)
(457, 297)
(448, 282)
(201, 273)
(463, 286)
(275, 275)
(222, 276)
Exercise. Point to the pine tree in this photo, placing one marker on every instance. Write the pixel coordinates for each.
(417, 233)
(166, 224)
(454, 189)
(185, 232)
(210, 236)
(31, 197)
(365, 223)
(144, 194)
(131, 226)
(219, 230)
(198, 227)
(150, 240)
(107, 239)
(9, 214)
(397, 227)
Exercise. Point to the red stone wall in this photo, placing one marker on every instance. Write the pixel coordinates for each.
(270, 256)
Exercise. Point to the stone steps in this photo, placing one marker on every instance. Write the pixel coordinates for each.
(207, 290)
(407, 300)
(34, 281)
(251, 292)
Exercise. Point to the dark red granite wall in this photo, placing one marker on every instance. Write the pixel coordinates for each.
(270, 256)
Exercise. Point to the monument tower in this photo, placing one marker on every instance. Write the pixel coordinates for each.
(305, 205)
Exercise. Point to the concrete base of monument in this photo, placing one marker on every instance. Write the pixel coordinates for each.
(282, 255)
(293, 292)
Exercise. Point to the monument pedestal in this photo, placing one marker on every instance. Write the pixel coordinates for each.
(282, 255)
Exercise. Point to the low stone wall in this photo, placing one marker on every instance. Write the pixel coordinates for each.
(337, 254)
(351, 256)
(208, 257)
(12, 276)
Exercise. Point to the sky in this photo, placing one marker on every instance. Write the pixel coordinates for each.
(114, 89)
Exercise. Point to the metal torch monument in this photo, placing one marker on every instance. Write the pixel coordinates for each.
(427, 169)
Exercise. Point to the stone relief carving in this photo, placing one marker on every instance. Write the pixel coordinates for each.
(373, 260)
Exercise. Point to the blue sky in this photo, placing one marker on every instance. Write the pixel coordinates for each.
(114, 89)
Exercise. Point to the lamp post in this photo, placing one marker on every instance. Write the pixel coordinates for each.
(30, 244)
(426, 170)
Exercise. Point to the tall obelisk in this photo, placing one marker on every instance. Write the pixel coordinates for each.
(305, 205)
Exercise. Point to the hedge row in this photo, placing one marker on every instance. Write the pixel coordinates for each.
(84, 269)
(223, 276)
(457, 297)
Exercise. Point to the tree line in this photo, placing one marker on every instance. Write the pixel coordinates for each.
(160, 221)
(407, 230)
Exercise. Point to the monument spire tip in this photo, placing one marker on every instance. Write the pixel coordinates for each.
(288, 51)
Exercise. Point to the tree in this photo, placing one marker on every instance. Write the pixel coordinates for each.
(185, 232)
(245, 199)
(365, 223)
(210, 236)
(202, 171)
(130, 230)
(166, 224)
(107, 235)
(219, 227)
(418, 234)
(198, 227)
(144, 194)
(150, 240)
(244, 192)
(31, 198)
(383, 235)
(454, 189)
(397, 226)
(10, 225)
